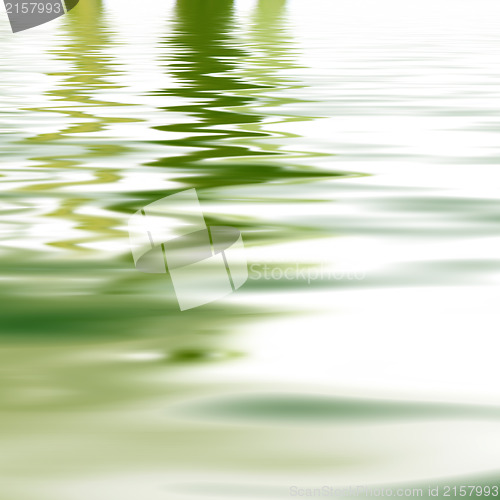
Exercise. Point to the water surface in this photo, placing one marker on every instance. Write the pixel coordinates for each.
(354, 146)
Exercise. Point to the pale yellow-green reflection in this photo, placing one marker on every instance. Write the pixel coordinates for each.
(82, 49)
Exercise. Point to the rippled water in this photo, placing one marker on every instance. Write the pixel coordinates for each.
(355, 145)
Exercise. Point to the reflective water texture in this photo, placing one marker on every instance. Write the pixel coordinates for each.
(354, 145)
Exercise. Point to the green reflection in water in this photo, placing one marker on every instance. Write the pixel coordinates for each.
(217, 96)
(75, 98)
(84, 304)
(72, 329)
(222, 83)
(314, 409)
(227, 88)
(81, 49)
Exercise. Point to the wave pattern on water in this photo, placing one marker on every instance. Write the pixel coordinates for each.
(331, 134)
